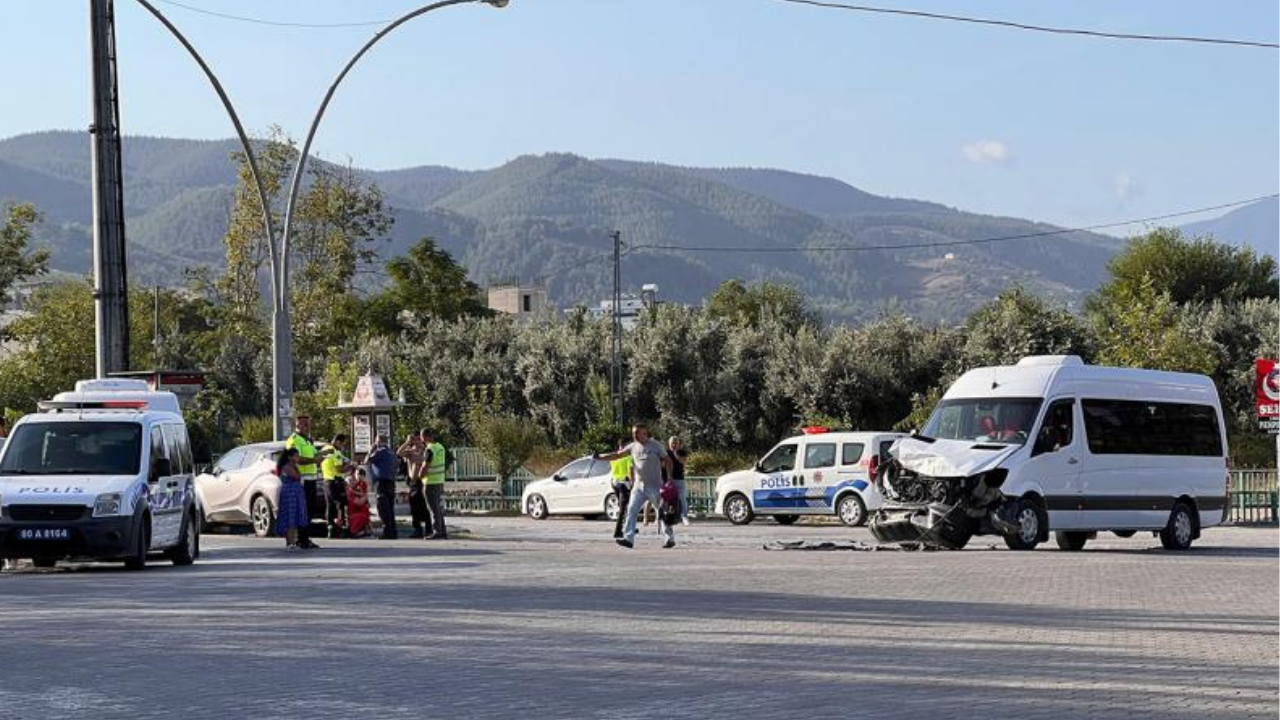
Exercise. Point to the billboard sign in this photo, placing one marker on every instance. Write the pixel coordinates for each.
(1267, 392)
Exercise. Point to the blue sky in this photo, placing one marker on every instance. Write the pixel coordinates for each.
(1069, 130)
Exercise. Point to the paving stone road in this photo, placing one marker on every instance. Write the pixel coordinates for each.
(551, 620)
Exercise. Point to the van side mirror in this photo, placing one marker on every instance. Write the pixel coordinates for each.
(759, 466)
(558, 477)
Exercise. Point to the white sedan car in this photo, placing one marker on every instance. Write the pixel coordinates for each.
(583, 487)
(242, 488)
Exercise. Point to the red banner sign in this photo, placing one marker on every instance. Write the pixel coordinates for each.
(1268, 393)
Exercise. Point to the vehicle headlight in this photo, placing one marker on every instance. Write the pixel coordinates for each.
(107, 504)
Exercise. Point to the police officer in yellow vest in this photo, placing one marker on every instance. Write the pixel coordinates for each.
(307, 455)
(436, 461)
(620, 469)
(334, 468)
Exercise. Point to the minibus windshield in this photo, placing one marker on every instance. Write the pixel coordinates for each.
(73, 448)
(1005, 421)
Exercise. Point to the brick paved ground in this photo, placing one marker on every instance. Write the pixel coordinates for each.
(550, 620)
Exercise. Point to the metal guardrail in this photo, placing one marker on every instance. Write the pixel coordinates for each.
(1254, 497)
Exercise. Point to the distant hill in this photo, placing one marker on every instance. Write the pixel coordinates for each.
(1256, 225)
(548, 217)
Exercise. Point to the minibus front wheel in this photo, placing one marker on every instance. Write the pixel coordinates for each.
(1029, 515)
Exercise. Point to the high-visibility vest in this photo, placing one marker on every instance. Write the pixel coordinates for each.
(331, 465)
(621, 469)
(436, 469)
(306, 453)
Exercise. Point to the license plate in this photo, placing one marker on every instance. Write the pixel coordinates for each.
(44, 534)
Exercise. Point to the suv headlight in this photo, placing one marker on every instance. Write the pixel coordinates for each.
(107, 504)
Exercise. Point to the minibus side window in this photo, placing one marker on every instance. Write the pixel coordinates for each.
(1058, 429)
(1127, 427)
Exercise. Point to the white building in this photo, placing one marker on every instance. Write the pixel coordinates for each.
(631, 306)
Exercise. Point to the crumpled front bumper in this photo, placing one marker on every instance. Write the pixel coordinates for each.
(933, 525)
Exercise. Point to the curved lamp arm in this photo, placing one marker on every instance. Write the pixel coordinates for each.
(267, 222)
(279, 284)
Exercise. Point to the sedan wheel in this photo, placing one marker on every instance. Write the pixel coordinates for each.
(738, 509)
(612, 508)
(537, 507)
(264, 518)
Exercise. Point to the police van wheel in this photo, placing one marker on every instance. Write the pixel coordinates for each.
(138, 560)
(786, 519)
(1180, 530)
(264, 518)
(44, 562)
(738, 509)
(188, 548)
(537, 507)
(852, 511)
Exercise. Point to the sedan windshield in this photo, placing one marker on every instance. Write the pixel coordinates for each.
(987, 420)
(73, 448)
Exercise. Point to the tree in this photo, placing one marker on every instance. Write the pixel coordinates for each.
(1017, 324)
(1140, 326)
(505, 439)
(1189, 270)
(743, 304)
(16, 262)
(426, 283)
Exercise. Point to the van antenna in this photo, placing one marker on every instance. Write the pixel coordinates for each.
(995, 378)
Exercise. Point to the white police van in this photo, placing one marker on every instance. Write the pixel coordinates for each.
(101, 473)
(1052, 444)
(818, 473)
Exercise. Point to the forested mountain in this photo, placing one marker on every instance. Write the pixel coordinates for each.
(1256, 225)
(548, 217)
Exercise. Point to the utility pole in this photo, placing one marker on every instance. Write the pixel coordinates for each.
(155, 329)
(615, 367)
(110, 281)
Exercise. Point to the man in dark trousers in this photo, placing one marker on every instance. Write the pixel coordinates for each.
(435, 463)
(383, 463)
(415, 451)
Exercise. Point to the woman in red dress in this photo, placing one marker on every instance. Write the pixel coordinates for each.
(358, 505)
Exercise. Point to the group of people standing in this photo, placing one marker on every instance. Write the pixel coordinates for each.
(344, 495)
(646, 474)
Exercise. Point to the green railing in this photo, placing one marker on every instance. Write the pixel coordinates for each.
(1254, 498)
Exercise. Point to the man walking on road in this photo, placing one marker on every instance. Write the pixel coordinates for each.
(382, 464)
(649, 459)
(620, 469)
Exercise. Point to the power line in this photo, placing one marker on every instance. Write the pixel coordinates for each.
(952, 243)
(1034, 28)
(274, 23)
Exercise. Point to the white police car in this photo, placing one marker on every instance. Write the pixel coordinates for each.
(818, 473)
(102, 473)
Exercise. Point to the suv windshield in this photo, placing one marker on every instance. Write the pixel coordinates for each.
(73, 448)
(986, 420)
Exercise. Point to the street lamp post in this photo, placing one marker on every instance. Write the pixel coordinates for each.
(281, 325)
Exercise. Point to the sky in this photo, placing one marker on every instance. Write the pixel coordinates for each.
(1070, 130)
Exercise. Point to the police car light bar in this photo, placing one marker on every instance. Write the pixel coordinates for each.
(47, 405)
(815, 430)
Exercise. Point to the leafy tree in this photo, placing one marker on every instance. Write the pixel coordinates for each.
(744, 304)
(16, 261)
(1017, 324)
(426, 283)
(504, 438)
(1189, 270)
(1140, 326)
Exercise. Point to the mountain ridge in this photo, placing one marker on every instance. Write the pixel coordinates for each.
(548, 216)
